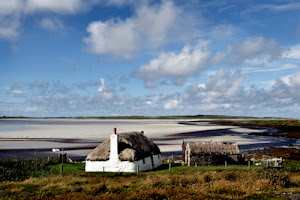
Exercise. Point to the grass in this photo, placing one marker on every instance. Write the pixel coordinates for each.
(207, 182)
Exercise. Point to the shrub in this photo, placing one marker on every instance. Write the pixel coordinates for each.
(231, 176)
(207, 179)
(18, 170)
(276, 177)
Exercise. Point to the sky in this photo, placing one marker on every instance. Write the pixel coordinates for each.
(63, 58)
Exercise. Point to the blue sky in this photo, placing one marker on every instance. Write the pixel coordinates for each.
(114, 57)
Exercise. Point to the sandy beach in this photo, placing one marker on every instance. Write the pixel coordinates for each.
(80, 136)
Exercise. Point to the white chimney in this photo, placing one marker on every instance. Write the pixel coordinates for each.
(114, 142)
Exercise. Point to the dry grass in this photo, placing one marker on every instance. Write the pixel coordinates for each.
(235, 184)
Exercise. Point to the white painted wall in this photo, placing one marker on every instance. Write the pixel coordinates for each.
(114, 143)
(123, 166)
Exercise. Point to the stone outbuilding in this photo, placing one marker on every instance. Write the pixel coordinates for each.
(211, 153)
(124, 152)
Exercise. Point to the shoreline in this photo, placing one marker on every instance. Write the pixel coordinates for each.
(287, 131)
(79, 137)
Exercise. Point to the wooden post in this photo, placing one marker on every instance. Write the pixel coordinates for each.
(225, 164)
(48, 160)
(249, 165)
(103, 169)
(35, 154)
(137, 169)
(62, 169)
(169, 167)
(62, 165)
(196, 166)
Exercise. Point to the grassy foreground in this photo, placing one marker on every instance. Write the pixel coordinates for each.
(207, 182)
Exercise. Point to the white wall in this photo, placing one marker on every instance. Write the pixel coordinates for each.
(123, 166)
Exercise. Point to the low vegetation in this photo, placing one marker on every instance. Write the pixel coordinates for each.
(43, 180)
(283, 128)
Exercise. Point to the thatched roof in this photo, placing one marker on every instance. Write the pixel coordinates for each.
(213, 147)
(133, 146)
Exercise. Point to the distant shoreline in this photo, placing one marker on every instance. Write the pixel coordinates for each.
(142, 117)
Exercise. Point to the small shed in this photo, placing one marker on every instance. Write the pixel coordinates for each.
(124, 152)
(211, 153)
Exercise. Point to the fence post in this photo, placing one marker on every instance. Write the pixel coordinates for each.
(103, 169)
(35, 154)
(249, 165)
(137, 169)
(225, 164)
(62, 169)
(169, 167)
(195, 166)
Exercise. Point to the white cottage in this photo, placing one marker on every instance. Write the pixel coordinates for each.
(124, 152)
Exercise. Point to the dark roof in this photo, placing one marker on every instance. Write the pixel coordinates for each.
(214, 147)
(132, 146)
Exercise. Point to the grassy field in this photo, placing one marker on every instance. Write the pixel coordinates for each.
(183, 182)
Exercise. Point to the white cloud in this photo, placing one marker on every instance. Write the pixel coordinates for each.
(150, 24)
(52, 24)
(155, 21)
(9, 27)
(102, 86)
(115, 37)
(120, 2)
(293, 52)
(172, 104)
(9, 19)
(178, 66)
(104, 93)
(10, 7)
(223, 93)
(30, 109)
(55, 6)
(12, 11)
(255, 51)
(278, 7)
(269, 69)
(295, 79)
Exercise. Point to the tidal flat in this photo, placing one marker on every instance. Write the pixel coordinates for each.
(37, 137)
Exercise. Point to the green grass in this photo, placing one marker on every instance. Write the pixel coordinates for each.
(207, 182)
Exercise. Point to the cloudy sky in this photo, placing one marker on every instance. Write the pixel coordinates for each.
(126, 57)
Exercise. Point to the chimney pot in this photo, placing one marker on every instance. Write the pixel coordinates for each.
(115, 131)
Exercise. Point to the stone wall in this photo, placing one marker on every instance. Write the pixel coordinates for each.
(214, 159)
